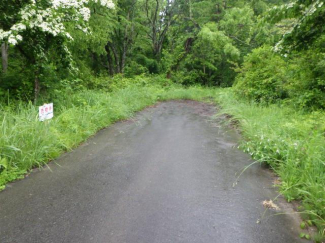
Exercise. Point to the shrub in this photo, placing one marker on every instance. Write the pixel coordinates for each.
(306, 76)
(262, 76)
(134, 69)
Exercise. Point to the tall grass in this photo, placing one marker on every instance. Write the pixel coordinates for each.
(291, 141)
(26, 143)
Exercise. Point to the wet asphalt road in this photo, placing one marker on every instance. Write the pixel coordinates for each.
(165, 176)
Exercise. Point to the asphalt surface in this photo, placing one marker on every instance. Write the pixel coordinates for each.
(165, 176)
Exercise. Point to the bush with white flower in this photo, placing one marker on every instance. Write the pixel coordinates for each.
(40, 28)
(49, 17)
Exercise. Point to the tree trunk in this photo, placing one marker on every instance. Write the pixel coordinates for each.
(116, 58)
(225, 5)
(4, 56)
(109, 61)
(187, 47)
(169, 74)
(36, 87)
(123, 58)
(126, 43)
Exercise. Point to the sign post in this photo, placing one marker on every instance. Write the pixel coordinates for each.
(45, 112)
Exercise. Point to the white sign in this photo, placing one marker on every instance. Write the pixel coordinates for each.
(45, 112)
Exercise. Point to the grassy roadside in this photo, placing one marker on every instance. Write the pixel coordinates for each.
(26, 143)
(292, 143)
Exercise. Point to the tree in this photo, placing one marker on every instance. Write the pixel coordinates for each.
(160, 16)
(306, 26)
(215, 36)
(39, 27)
(9, 16)
(123, 35)
(210, 53)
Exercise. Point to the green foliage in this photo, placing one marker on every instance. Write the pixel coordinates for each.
(147, 64)
(239, 23)
(133, 69)
(306, 75)
(203, 40)
(307, 25)
(210, 52)
(306, 236)
(262, 76)
(267, 77)
(121, 82)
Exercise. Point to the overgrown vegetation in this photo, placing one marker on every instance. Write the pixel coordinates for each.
(291, 141)
(85, 54)
(26, 143)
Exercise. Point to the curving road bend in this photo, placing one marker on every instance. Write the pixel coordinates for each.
(164, 176)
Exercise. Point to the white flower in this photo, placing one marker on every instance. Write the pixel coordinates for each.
(85, 12)
(51, 20)
(107, 3)
(68, 36)
(18, 27)
(12, 41)
(39, 18)
(4, 34)
(19, 37)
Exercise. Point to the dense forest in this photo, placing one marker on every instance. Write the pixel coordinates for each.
(256, 45)
(270, 52)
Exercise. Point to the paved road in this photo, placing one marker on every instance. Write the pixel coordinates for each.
(165, 176)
